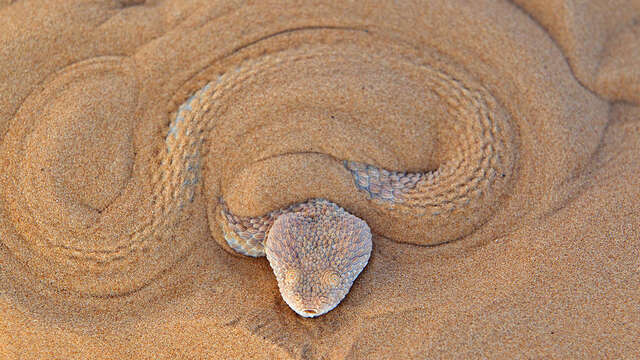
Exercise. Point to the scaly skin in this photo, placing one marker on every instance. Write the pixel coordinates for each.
(315, 248)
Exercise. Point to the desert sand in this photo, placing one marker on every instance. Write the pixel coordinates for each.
(101, 259)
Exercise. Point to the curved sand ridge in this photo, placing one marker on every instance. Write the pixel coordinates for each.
(470, 156)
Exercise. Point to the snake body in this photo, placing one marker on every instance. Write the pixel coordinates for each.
(317, 237)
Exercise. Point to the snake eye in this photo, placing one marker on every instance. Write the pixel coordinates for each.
(331, 278)
(290, 276)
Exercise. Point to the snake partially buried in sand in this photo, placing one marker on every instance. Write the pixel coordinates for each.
(316, 248)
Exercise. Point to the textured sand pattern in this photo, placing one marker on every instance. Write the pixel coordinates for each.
(511, 125)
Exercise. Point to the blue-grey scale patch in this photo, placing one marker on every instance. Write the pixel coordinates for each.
(192, 177)
(236, 246)
(381, 184)
(364, 182)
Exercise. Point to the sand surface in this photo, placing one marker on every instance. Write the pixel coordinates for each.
(97, 260)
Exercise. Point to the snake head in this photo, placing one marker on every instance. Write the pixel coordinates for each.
(316, 253)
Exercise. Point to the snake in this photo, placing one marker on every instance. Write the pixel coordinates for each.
(316, 248)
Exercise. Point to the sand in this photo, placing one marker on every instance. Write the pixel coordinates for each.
(91, 266)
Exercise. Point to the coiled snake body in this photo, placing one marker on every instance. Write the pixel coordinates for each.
(315, 248)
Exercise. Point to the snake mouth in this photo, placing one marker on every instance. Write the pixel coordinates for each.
(310, 311)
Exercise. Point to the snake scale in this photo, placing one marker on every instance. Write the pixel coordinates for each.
(316, 248)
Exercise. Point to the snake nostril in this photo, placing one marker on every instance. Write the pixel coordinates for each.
(309, 311)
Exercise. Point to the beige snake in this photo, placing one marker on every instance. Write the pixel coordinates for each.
(315, 248)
